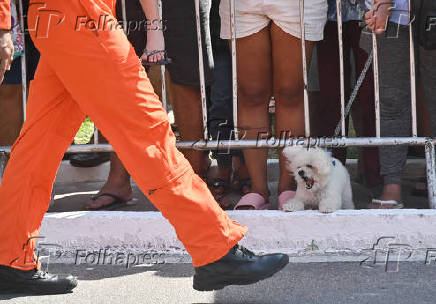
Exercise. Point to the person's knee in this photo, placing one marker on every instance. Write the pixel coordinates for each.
(289, 94)
(254, 96)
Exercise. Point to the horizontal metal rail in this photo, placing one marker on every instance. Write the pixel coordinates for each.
(273, 143)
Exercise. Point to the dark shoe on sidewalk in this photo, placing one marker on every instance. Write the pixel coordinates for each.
(239, 267)
(89, 160)
(34, 282)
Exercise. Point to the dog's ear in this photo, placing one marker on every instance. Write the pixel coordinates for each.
(291, 151)
(322, 161)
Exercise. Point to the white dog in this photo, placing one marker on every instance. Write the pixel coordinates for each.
(322, 181)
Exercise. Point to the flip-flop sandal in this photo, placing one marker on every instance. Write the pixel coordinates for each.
(394, 203)
(284, 197)
(117, 202)
(254, 200)
(164, 61)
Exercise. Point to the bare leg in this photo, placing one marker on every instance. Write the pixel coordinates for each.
(11, 113)
(186, 104)
(118, 183)
(255, 90)
(155, 39)
(288, 90)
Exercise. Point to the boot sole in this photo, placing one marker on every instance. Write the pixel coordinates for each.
(8, 288)
(208, 284)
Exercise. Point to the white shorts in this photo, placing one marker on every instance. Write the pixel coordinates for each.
(253, 15)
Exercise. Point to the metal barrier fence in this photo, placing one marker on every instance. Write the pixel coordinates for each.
(343, 141)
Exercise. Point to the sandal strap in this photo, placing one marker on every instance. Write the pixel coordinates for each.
(152, 52)
(115, 197)
(397, 205)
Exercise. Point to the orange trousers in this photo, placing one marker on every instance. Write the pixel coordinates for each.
(94, 70)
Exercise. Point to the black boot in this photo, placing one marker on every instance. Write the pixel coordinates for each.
(34, 282)
(239, 267)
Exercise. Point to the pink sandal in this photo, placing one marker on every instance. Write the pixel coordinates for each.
(254, 200)
(284, 197)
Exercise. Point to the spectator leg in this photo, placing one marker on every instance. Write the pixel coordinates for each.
(255, 90)
(11, 113)
(288, 90)
(395, 105)
(186, 105)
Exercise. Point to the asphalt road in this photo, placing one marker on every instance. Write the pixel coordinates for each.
(297, 283)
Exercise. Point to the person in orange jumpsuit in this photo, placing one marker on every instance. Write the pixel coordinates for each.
(88, 67)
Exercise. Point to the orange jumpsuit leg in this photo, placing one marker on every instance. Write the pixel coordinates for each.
(98, 73)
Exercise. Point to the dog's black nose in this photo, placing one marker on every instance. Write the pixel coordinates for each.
(301, 173)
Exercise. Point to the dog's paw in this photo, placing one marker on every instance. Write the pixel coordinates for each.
(326, 209)
(293, 205)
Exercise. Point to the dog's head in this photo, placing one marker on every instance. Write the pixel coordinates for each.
(310, 167)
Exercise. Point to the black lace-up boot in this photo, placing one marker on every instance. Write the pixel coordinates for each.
(239, 266)
(34, 282)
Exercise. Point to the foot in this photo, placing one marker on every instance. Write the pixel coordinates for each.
(253, 201)
(155, 49)
(34, 282)
(391, 192)
(123, 191)
(239, 267)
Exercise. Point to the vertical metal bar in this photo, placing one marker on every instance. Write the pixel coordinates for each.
(162, 67)
(341, 64)
(234, 67)
(376, 85)
(3, 161)
(124, 14)
(201, 69)
(412, 76)
(304, 61)
(164, 87)
(431, 173)
(96, 140)
(23, 62)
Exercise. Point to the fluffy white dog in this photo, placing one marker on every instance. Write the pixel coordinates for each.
(322, 181)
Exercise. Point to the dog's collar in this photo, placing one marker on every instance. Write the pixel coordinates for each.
(333, 162)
